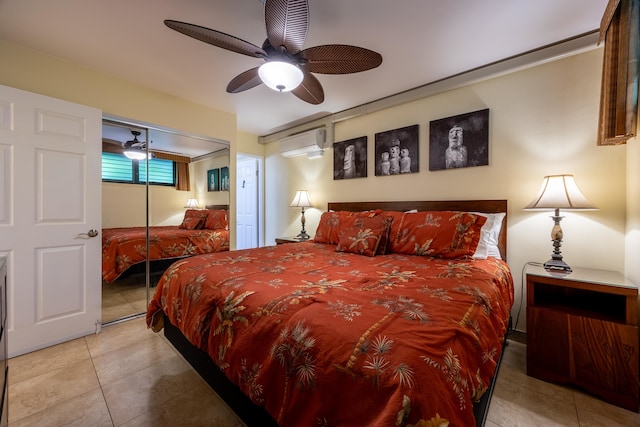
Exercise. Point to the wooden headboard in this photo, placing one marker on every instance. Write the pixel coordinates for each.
(217, 207)
(486, 206)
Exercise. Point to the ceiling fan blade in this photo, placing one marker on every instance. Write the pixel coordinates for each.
(287, 23)
(339, 59)
(244, 81)
(216, 38)
(310, 90)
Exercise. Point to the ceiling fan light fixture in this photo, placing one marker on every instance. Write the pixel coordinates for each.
(134, 149)
(136, 154)
(280, 76)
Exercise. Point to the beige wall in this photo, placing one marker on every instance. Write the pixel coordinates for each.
(543, 121)
(123, 205)
(33, 71)
(248, 144)
(632, 248)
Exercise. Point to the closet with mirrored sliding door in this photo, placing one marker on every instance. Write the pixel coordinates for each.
(148, 183)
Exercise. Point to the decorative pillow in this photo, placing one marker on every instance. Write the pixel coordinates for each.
(394, 218)
(334, 222)
(194, 219)
(442, 234)
(364, 238)
(488, 244)
(217, 220)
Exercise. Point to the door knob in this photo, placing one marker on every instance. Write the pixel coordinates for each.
(91, 233)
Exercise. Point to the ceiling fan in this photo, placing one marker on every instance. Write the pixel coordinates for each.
(134, 149)
(287, 67)
(134, 143)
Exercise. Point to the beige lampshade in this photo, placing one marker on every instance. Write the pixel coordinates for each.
(301, 199)
(560, 192)
(192, 204)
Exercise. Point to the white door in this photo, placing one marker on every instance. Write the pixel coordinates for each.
(247, 202)
(50, 199)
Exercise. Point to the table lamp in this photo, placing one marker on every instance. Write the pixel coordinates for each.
(301, 200)
(559, 192)
(192, 204)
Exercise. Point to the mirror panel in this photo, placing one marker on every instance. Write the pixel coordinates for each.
(133, 208)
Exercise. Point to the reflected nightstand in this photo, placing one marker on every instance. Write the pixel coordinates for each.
(282, 240)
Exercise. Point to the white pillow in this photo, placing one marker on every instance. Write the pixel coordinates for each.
(489, 234)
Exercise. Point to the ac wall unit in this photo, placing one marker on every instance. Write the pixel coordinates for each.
(303, 143)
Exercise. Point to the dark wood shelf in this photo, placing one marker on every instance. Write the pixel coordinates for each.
(282, 240)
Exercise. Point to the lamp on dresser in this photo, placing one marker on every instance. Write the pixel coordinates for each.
(192, 204)
(301, 200)
(559, 192)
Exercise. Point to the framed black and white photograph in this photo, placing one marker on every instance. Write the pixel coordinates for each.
(350, 158)
(397, 151)
(213, 180)
(224, 178)
(460, 141)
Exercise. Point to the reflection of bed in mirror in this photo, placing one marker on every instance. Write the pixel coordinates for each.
(124, 249)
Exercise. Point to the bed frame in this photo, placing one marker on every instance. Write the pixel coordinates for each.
(254, 415)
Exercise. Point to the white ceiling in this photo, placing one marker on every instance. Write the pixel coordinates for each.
(421, 41)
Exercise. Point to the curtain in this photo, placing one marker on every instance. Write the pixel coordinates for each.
(619, 29)
(182, 177)
(183, 183)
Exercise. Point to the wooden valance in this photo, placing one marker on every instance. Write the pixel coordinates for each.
(619, 28)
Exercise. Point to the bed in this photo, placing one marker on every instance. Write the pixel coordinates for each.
(351, 333)
(201, 231)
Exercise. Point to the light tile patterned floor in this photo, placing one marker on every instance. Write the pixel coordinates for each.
(129, 376)
(124, 298)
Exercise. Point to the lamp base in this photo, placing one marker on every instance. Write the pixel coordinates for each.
(557, 265)
(303, 236)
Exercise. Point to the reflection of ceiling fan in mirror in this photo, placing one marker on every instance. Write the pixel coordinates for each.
(134, 149)
(287, 67)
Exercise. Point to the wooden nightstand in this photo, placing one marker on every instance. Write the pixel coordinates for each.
(582, 328)
(281, 240)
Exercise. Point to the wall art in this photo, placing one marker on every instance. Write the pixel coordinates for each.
(350, 158)
(397, 151)
(213, 180)
(459, 141)
(224, 178)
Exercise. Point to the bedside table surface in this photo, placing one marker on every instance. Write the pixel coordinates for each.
(290, 239)
(586, 275)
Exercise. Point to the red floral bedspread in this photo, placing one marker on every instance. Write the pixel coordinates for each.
(328, 338)
(124, 247)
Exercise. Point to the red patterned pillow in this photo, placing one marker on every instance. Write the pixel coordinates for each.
(364, 238)
(333, 223)
(217, 220)
(439, 234)
(394, 218)
(194, 219)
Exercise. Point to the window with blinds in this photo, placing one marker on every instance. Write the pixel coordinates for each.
(118, 168)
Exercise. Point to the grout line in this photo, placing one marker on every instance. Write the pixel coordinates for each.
(95, 370)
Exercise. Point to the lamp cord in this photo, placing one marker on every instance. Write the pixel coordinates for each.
(522, 281)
